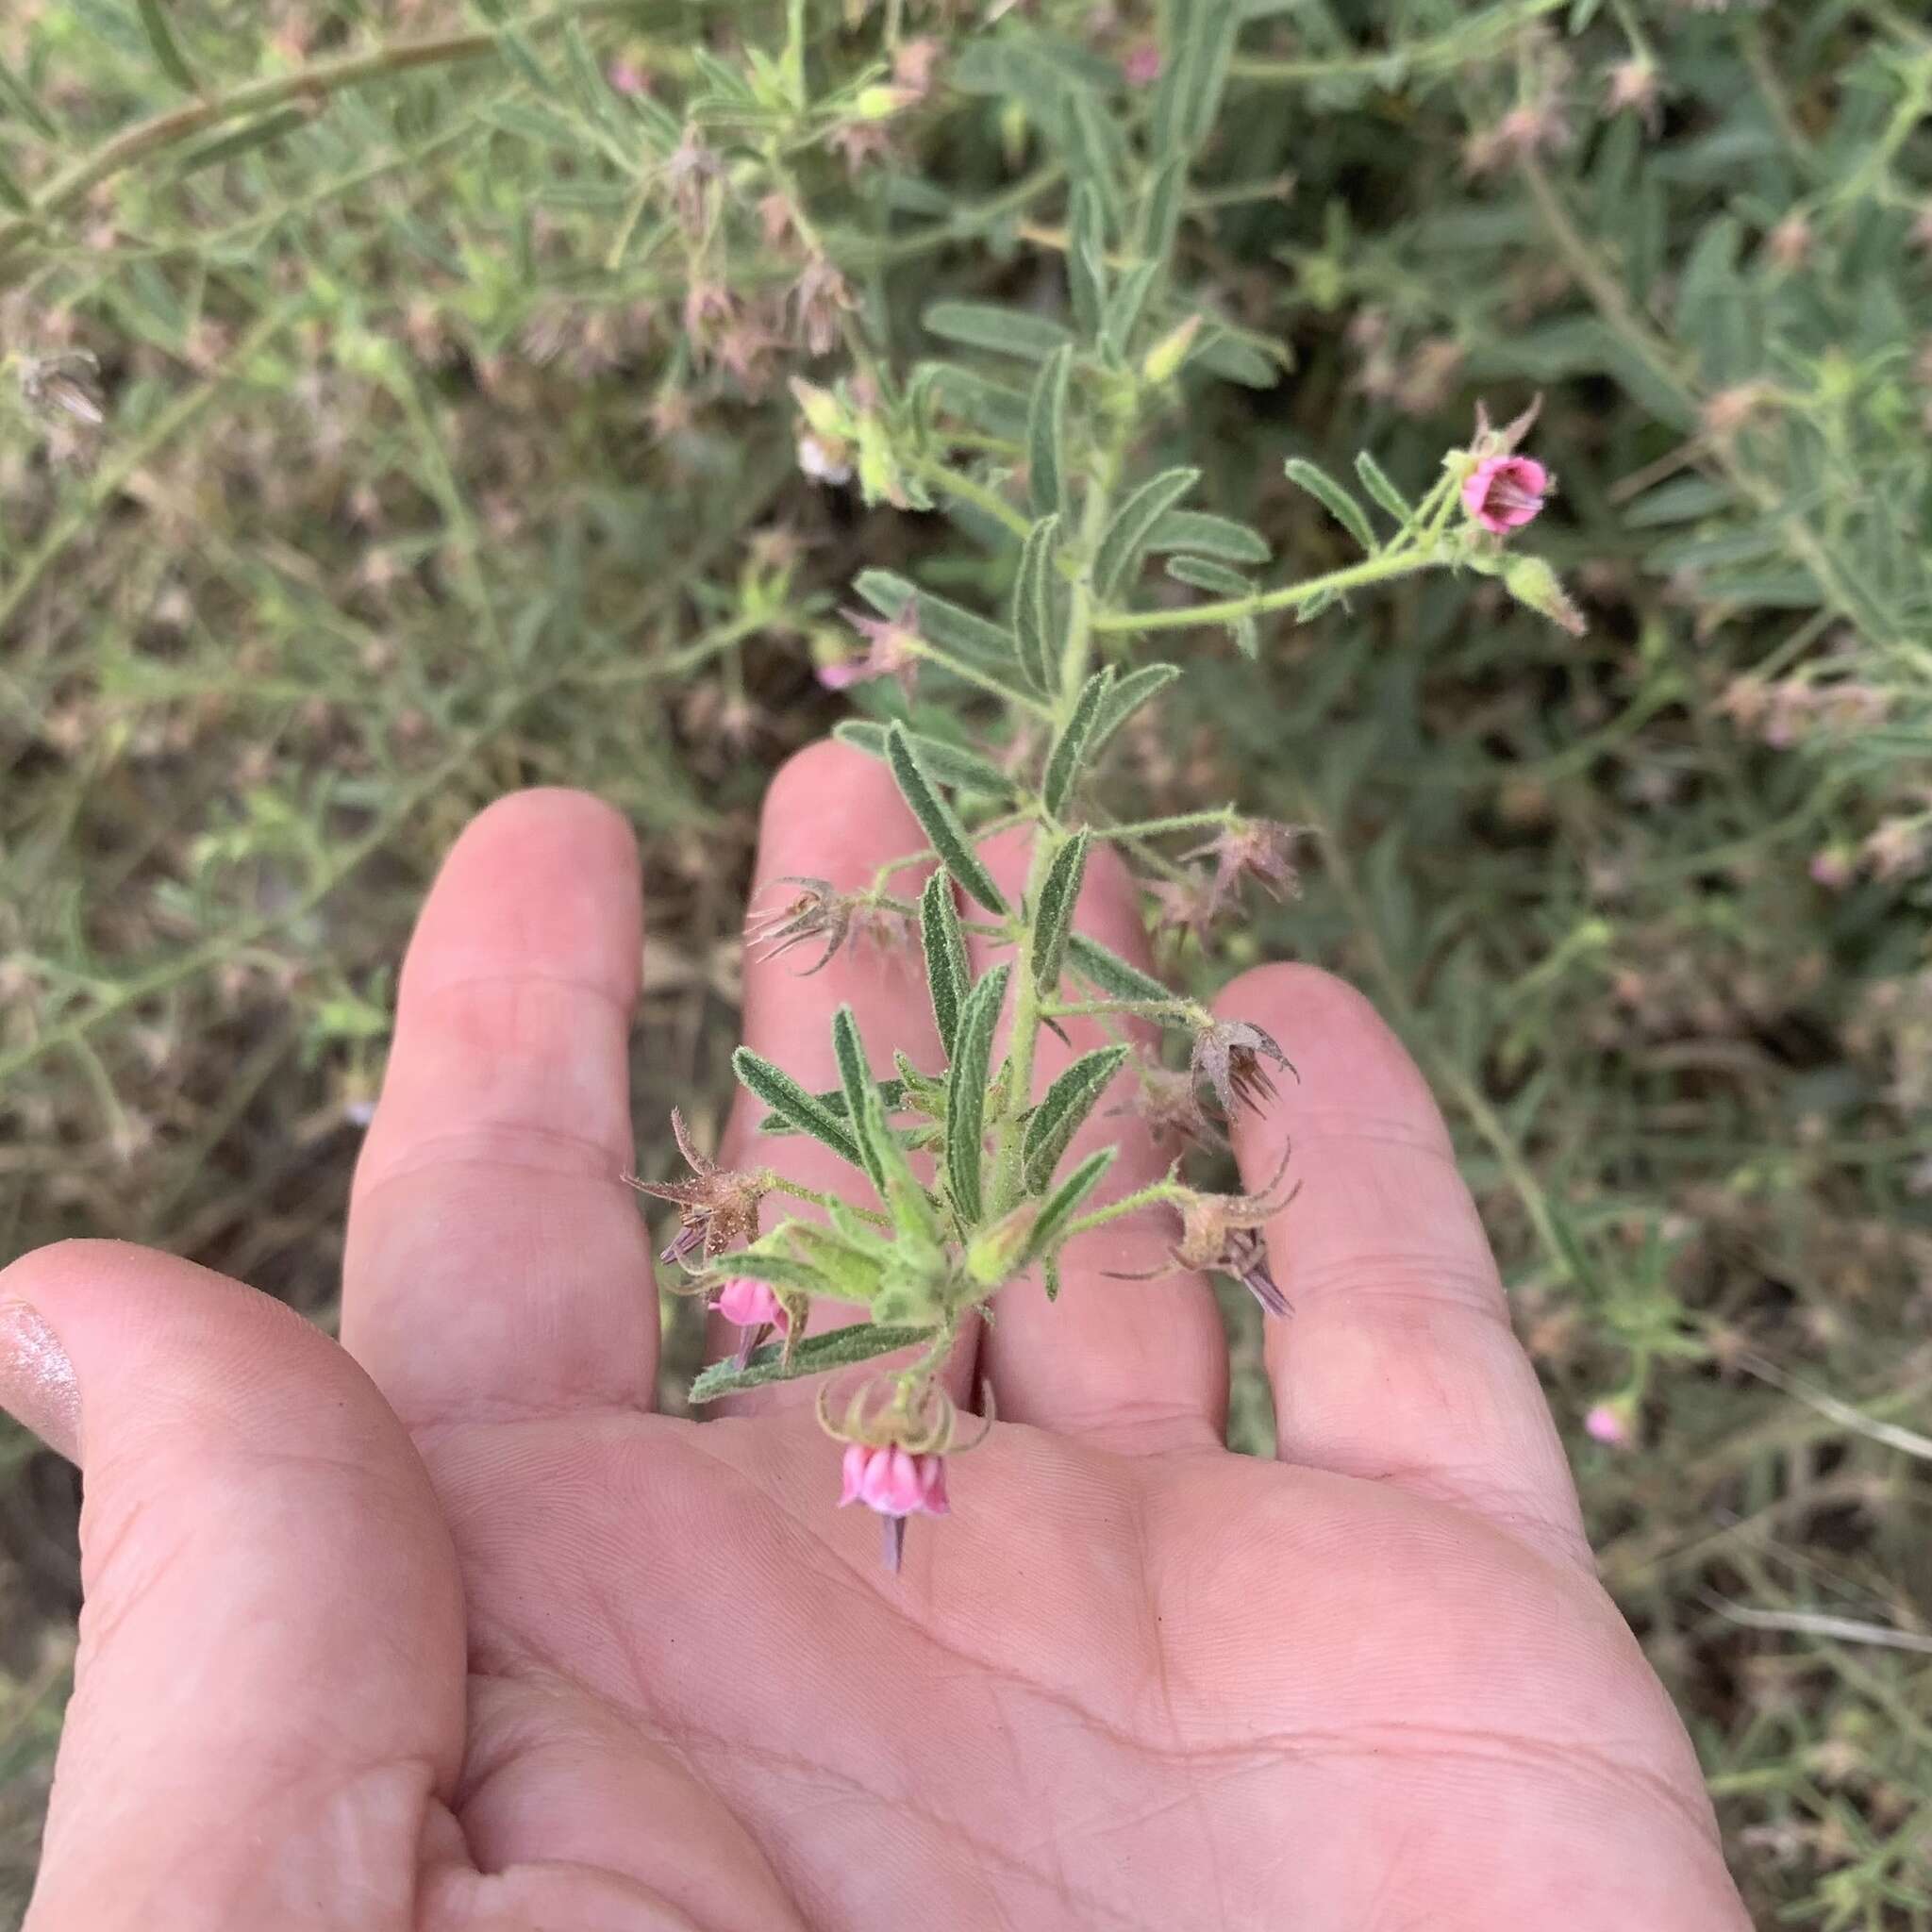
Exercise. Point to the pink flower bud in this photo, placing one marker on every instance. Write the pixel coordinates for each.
(1607, 1422)
(1505, 493)
(1140, 66)
(751, 1305)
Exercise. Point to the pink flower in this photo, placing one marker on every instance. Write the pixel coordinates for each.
(893, 1481)
(1505, 493)
(1140, 66)
(1833, 868)
(896, 1484)
(627, 77)
(1607, 1422)
(752, 1304)
(891, 650)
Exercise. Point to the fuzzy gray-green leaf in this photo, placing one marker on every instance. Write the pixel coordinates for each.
(792, 1103)
(941, 822)
(1047, 435)
(1067, 759)
(951, 764)
(1053, 918)
(1127, 697)
(1061, 1113)
(1339, 504)
(1033, 604)
(836, 1348)
(966, 1092)
(947, 972)
(1210, 536)
(1112, 974)
(1003, 331)
(1379, 485)
(1133, 524)
(1064, 1202)
(854, 1082)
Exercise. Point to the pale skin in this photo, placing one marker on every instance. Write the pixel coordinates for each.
(442, 1629)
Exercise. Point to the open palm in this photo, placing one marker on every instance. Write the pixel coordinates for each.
(472, 1640)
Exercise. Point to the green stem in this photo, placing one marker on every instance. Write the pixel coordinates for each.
(936, 654)
(1449, 49)
(1177, 822)
(968, 489)
(1127, 1204)
(1372, 570)
(1008, 1182)
(819, 1197)
(1138, 1009)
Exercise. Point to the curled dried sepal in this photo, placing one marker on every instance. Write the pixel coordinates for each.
(1229, 1057)
(816, 911)
(1169, 1104)
(1259, 849)
(720, 1205)
(1224, 1232)
(1190, 904)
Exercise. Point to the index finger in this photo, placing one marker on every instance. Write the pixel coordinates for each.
(1399, 1361)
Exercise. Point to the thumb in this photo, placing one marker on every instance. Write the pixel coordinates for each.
(268, 1700)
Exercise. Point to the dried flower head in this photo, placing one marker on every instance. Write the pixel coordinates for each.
(67, 384)
(821, 300)
(891, 650)
(1188, 905)
(1229, 1055)
(720, 1205)
(1261, 849)
(1223, 1233)
(816, 911)
(692, 173)
(915, 62)
(1631, 87)
(1169, 1104)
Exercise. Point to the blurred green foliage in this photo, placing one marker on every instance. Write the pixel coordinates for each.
(418, 475)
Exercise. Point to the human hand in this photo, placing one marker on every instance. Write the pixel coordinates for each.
(442, 1629)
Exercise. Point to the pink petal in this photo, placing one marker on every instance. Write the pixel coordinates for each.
(841, 676)
(932, 1476)
(853, 1470)
(750, 1304)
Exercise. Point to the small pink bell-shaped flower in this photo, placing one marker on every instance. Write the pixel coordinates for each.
(1504, 493)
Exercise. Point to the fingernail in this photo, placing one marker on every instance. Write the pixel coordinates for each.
(37, 1385)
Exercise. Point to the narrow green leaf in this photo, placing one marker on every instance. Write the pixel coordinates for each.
(1124, 309)
(1160, 216)
(951, 764)
(1047, 435)
(1112, 974)
(15, 89)
(1085, 259)
(1067, 759)
(892, 1093)
(160, 37)
(1127, 536)
(12, 193)
(1376, 481)
(788, 1099)
(1053, 921)
(1214, 22)
(855, 1083)
(1340, 504)
(1251, 361)
(941, 825)
(950, 625)
(1061, 1113)
(1003, 331)
(989, 405)
(1210, 536)
(1033, 604)
(948, 971)
(836, 1348)
(1065, 1201)
(241, 141)
(1204, 575)
(1050, 1277)
(966, 1092)
(1126, 698)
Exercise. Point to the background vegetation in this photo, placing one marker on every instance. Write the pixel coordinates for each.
(419, 476)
